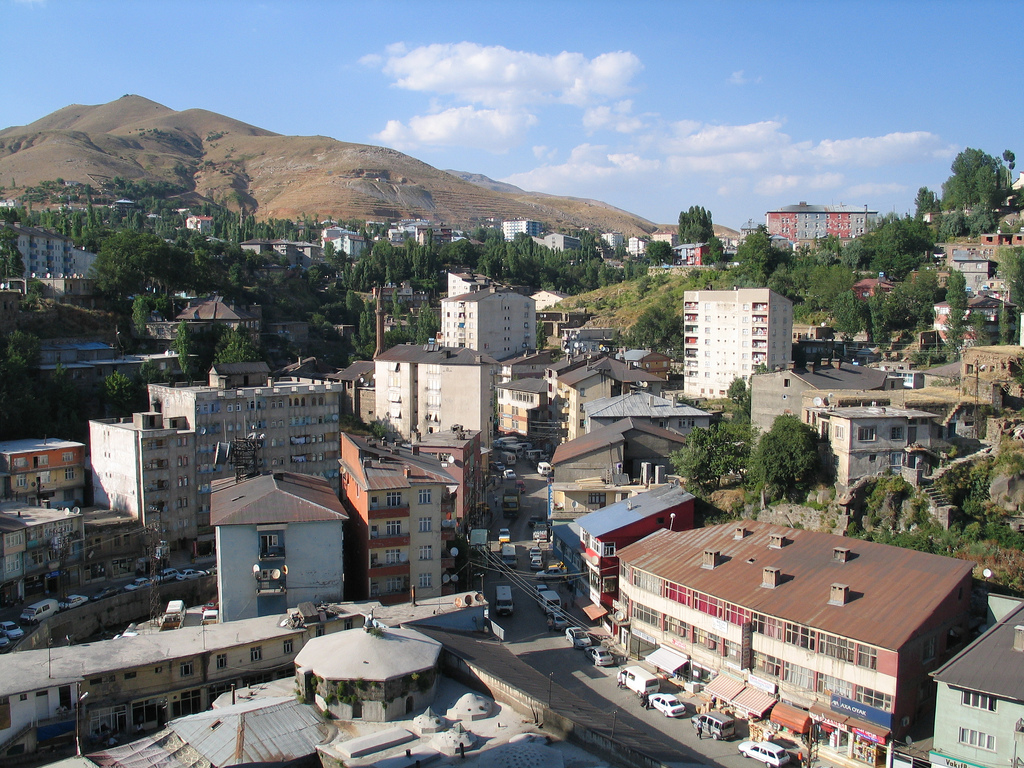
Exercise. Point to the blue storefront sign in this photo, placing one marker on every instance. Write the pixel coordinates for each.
(861, 711)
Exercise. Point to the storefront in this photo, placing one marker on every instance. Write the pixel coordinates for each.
(791, 720)
(640, 644)
(668, 660)
(850, 736)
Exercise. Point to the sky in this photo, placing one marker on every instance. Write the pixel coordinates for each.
(739, 107)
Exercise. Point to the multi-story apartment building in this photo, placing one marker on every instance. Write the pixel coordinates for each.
(193, 440)
(459, 451)
(47, 472)
(40, 552)
(145, 465)
(874, 440)
(509, 229)
(764, 612)
(118, 545)
(728, 335)
(594, 379)
(498, 322)
(523, 409)
(402, 521)
(979, 706)
(982, 316)
(803, 223)
(672, 238)
(644, 407)
(466, 282)
(613, 239)
(50, 254)
(421, 389)
(556, 241)
(279, 543)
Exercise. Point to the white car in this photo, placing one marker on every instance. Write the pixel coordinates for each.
(510, 474)
(668, 705)
(600, 657)
(139, 583)
(11, 631)
(191, 573)
(578, 637)
(504, 536)
(168, 574)
(72, 601)
(770, 754)
(557, 621)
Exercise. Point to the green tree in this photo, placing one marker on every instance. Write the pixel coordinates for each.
(786, 458)
(184, 346)
(237, 346)
(978, 180)
(659, 252)
(757, 257)
(1011, 266)
(700, 460)
(739, 393)
(120, 393)
(926, 202)
(849, 315)
(695, 225)
(956, 320)
(11, 263)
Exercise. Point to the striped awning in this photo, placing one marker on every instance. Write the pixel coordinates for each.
(724, 687)
(667, 660)
(754, 701)
(791, 718)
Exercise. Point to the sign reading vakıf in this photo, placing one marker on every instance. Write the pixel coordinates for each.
(847, 706)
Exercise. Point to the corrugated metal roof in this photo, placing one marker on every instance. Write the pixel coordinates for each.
(360, 654)
(283, 497)
(602, 437)
(990, 664)
(434, 354)
(525, 385)
(261, 731)
(881, 578)
(614, 369)
(641, 404)
(633, 509)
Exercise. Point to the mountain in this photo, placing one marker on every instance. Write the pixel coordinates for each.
(216, 158)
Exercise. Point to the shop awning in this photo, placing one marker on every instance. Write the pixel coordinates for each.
(754, 701)
(796, 720)
(876, 733)
(594, 612)
(827, 716)
(724, 687)
(668, 660)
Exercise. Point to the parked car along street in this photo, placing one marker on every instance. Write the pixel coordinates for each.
(73, 601)
(11, 631)
(668, 705)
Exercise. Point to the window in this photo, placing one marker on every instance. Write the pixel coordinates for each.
(392, 556)
(424, 496)
(67, 456)
(69, 473)
(928, 649)
(799, 676)
(978, 700)
(256, 653)
(393, 527)
(425, 524)
(289, 645)
(874, 699)
(186, 669)
(646, 615)
(183, 461)
(676, 627)
(222, 661)
(977, 739)
(896, 433)
(393, 499)
(836, 647)
(800, 636)
(426, 580)
(129, 675)
(394, 584)
(596, 498)
(769, 665)
(707, 639)
(865, 434)
(827, 683)
(608, 550)
(426, 552)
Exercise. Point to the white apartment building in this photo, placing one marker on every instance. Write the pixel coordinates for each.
(161, 470)
(429, 388)
(498, 322)
(50, 254)
(635, 246)
(728, 334)
(521, 226)
(614, 239)
(466, 282)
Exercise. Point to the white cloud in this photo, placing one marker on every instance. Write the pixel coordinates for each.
(490, 129)
(778, 183)
(874, 189)
(882, 150)
(542, 152)
(497, 76)
(739, 78)
(617, 118)
(588, 163)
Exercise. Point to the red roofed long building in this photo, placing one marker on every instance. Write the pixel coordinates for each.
(401, 507)
(844, 632)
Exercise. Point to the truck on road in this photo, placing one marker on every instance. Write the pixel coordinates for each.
(510, 502)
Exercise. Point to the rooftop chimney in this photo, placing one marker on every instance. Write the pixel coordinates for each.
(776, 541)
(739, 532)
(1018, 638)
(839, 594)
(710, 558)
(841, 554)
(770, 578)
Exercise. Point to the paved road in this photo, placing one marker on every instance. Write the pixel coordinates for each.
(527, 635)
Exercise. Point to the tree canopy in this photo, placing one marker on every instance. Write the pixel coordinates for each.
(786, 458)
(695, 225)
(978, 180)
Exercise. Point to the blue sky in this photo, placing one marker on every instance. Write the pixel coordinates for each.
(649, 106)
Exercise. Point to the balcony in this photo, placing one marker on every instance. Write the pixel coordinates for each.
(384, 513)
(382, 570)
(388, 542)
(271, 586)
(272, 553)
(155, 465)
(447, 563)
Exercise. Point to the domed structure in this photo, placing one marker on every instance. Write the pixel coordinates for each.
(449, 742)
(471, 706)
(373, 674)
(428, 722)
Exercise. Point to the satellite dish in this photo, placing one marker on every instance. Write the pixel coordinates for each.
(818, 401)
(445, 579)
(454, 551)
(276, 573)
(256, 569)
(987, 573)
(468, 599)
(459, 603)
(403, 557)
(619, 616)
(284, 569)
(76, 510)
(575, 504)
(910, 741)
(455, 578)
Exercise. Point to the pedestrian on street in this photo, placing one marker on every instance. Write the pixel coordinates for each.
(645, 701)
(700, 731)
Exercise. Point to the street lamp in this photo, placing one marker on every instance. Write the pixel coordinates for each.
(78, 723)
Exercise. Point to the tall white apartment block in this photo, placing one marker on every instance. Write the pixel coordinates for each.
(613, 239)
(728, 334)
(496, 322)
(520, 226)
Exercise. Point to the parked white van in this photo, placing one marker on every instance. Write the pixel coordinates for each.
(544, 468)
(503, 604)
(36, 612)
(638, 680)
(549, 601)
